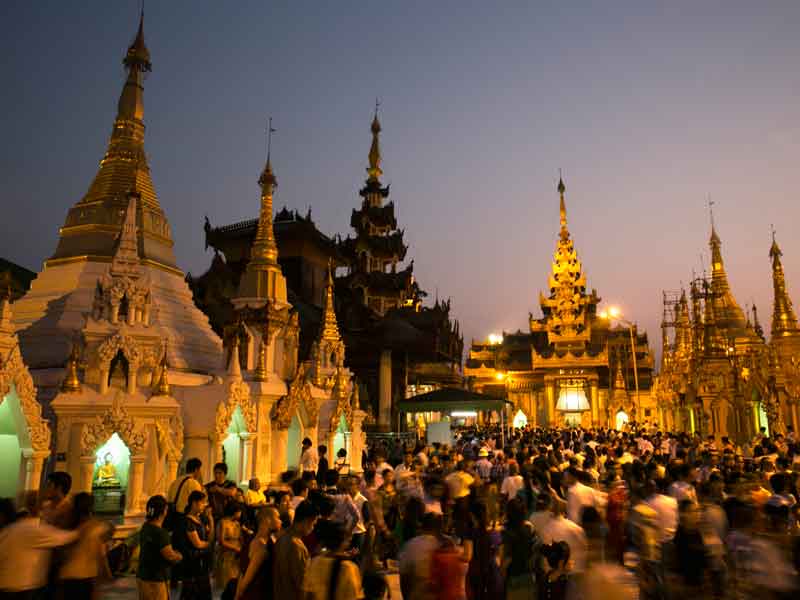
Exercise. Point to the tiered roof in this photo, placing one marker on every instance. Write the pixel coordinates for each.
(92, 225)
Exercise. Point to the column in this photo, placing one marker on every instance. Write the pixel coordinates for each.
(135, 484)
(261, 462)
(385, 391)
(133, 373)
(593, 401)
(172, 472)
(280, 437)
(794, 411)
(247, 456)
(36, 465)
(550, 393)
(357, 441)
(87, 470)
(104, 379)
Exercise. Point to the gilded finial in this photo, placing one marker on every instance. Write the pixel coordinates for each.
(234, 368)
(72, 382)
(374, 170)
(138, 55)
(267, 180)
(784, 319)
(260, 373)
(562, 206)
(329, 329)
(162, 388)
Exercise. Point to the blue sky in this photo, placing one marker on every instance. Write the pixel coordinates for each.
(649, 109)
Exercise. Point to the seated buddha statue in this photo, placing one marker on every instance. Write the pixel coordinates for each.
(107, 473)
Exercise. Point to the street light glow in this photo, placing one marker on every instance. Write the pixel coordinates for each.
(500, 376)
(495, 339)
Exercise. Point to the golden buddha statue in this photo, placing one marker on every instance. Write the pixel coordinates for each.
(107, 473)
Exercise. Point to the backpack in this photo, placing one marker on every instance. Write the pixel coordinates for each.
(172, 519)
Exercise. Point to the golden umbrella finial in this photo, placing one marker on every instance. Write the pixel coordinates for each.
(72, 382)
(162, 388)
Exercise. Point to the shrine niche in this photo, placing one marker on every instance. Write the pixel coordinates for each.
(24, 435)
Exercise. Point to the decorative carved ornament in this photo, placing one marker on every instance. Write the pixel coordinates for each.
(129, 346)
(343, 406)
(13, 370)
(114, 420)
(170, 437)
(299, 392)
(238, 395)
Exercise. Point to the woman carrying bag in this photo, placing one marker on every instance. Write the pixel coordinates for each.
(155, 553)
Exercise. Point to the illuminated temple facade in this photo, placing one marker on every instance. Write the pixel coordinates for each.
(109, 371)
(574, 365)
(719, 373)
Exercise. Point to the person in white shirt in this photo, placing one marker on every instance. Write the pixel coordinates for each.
(513, 483)
(683, 489)
(579, 495)
(559, 529)
(26, 547)
(666, 508)
(407, 466)
(308, 457)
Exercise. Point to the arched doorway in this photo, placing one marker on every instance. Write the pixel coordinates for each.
(621, 420)
(293, 442)
(110, 476)
(761, 418)
(232, 446)
(341, 439)
(520, 420)
(12, 423)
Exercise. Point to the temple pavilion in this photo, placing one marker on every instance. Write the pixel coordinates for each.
(574, 365)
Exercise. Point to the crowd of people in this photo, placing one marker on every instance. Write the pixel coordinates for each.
(549, 514)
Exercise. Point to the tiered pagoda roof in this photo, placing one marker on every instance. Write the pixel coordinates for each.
(93, 223)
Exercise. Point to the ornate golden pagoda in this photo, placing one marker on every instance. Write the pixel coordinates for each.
(263, 279)
(92, 225)
(784, 320)
(329, 330)
(721, 376)
(727, 312)
(574, 366)
(568, 302)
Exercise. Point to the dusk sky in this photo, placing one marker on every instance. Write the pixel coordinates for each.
(649, 109)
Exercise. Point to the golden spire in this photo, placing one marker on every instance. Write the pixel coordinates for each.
(234, 368)
(619, 380)
(72, 382)
(562, 208)
(374, 170)
(567, 302)
(260, 279)
(162, 388)
(683, 327)
(329, 329)
(124, 167)
(726, 310)
(713, 341)
(784, 320)
(756, 324)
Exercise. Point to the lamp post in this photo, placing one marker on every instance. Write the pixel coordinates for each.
(614, 314)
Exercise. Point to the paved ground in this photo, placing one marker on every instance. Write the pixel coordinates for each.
(124, 588)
